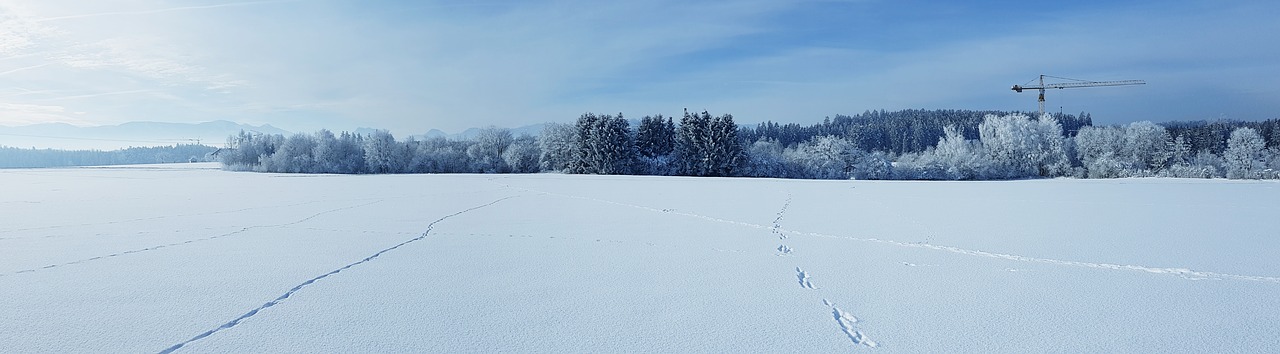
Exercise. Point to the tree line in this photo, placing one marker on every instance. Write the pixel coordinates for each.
(911, 144)
(12, 157)
(896, 132)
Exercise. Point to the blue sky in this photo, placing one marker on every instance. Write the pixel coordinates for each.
(410, 66)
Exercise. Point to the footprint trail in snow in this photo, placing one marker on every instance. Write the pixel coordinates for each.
(846, 322)
(804, 279)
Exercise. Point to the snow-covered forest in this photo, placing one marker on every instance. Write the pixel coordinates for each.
(12, 157)
(908, 145)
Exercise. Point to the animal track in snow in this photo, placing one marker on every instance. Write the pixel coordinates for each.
(152, 218)
(845, 320)
(350, 231)
(847, 325)
(1180, 272)
(783, 250)
(785, 205)
(777, 221)
(803, 277)
(304, 284)
(152, 248)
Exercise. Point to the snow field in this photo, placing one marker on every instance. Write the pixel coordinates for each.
(147, 258)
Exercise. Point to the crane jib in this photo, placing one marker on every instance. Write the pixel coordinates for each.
(1019, 88)
(1062, 85)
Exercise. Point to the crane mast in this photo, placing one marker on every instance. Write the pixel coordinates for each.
(1076, 84)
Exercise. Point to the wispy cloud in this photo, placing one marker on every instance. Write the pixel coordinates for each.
(19, 91)
(17, 114)
(157, 11)
(25, 68)
(18, 29)
(92, 95)
(31, 108)
(105, 54)
(133, 55)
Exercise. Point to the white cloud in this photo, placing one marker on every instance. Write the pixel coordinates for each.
(86, 58)
(18, 114)
(18, 29)
(155, 11)
(138, 57)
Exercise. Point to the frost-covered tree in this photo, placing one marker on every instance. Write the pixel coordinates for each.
(829, 157)
(487, 149)
(765, 158)
(1211, 164)
(873, 165)
(1020, 147)
(961, 159)
(690, 144)
(326, 157)
(1182, 161)
(655, 136)
(295, 155)
(825, 157)
(350, 149)
(954, 158)
(441, 155)
(246, 151)
(238, 156)
(1273, 161)
(559, 145)
(707, 146)
(604, 145)
(522, 155)
(655, 142)
(1147, 146)
(1201, 165)
(383, 154)
(1180, 153)
(1139, 149)
(321, 152)
(1099, 149)
(922, 165)
(725, 150)
(1245, 156)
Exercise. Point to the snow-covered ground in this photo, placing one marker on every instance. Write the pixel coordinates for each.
(189, 258)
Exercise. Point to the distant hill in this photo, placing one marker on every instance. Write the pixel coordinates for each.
(531, 130)
(132, 134)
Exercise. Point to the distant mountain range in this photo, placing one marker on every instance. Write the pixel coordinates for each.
(531, 130)
(111, 137)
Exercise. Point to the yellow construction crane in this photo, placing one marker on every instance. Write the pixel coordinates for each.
(1074, 83)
